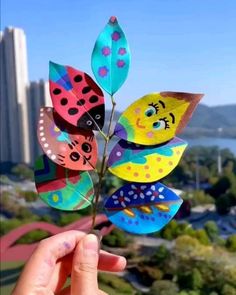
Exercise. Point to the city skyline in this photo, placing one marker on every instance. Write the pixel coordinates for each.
(20, 100)
(13, 100)
(175, 45)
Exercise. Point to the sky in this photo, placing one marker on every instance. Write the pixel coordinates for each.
(176, 45)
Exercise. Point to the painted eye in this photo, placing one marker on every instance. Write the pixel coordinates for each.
(161, 124)
(74, 156)
(86, 147)
(89, 122)
(150, 112)
(98, 117)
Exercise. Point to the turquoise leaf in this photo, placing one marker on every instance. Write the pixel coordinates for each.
(111, 57)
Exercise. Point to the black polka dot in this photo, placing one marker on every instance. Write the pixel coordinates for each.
(86, 89)
(64, 101)
(81, 102)
(73, 111)
(78, 78)
(56, 91)
(93, 99)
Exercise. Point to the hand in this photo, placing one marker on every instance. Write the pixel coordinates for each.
(70, 253)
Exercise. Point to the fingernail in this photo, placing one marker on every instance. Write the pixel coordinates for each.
(90, 245)
(97, 233)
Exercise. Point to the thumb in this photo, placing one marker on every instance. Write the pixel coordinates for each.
(84, 267)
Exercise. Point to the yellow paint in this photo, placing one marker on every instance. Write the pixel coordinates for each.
(156, 167)
(55, 198)
(162, 208)
(56, 129)
(151, 120)
(129, 212)
(145, 209)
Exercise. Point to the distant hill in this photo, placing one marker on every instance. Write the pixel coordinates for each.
(205, 121)
(214, 117)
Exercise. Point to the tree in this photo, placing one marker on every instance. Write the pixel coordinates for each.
(23, 172)
(202, 237)
(68, 218)
(163, 287)
(231, 243)
(212, 229)
(196, 279)
(161, 254)
(191, 280)
(116, 238)
(228, 290)
(223, 205)
(29, 196)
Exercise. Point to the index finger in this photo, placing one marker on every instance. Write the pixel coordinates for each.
(39, 268)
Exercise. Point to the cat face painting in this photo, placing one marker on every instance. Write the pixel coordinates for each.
(65, 144)
(156, 118)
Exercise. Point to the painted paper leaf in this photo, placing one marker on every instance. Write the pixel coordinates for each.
(62, 188)
(142, 208)
(157, 117)
(111, 57)
(138, 163)
(66, 145)
(76, 97)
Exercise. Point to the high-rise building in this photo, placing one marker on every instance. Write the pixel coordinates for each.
(38, 96)
(13, 97)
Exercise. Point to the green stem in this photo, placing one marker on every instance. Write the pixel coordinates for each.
(103, 165)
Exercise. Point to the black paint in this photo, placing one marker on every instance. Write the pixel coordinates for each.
(64, 101)
(73, 111)
(78, 78)
(56, 91)
(93, 99)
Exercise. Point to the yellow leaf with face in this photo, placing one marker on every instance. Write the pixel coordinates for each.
(157, 117)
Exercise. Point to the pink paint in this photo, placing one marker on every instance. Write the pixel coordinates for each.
(150, 134)
(103, 71)
(113, 20)
(115, 36)
(122, 51)
(106, 51)
(137, 111)
(120, 63)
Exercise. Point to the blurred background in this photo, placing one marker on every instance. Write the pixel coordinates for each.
(176, 45)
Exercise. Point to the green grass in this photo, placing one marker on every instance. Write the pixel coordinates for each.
(9, 273)
(111, 284)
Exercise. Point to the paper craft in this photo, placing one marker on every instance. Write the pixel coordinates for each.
(156, 118)
(62, 188)
(138, 163)
(65, 144)
(76, 97)
(142, 208)
(146, 152)
(111, 57)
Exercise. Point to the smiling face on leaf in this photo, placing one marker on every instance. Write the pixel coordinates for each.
(157, 117)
